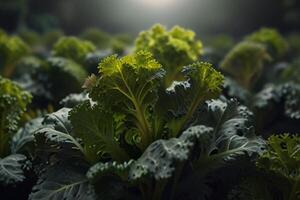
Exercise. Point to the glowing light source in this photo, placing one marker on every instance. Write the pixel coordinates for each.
(156, 3)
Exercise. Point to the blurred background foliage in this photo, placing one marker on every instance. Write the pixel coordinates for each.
(235, 17)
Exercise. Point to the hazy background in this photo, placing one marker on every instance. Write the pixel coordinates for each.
(235, 17)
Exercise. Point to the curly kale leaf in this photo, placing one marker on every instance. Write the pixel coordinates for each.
(272, 40)
(32, 75)
(282, 159)
(164, 160)
(110, 180)
(100, 170)
(73, 48)
(160, 158)
(233, 133)
(56, 138)
(23, 140)
(173, 49)
(183, 98)
(129, 85)
(11, 169)
(13, 102)
(64, 72)
(99, 130)
(230, 141)
(11, 50)
(233, 90)
(278, 105)
(278, 172)
(154, 168)
(63, 182)
(245, 62)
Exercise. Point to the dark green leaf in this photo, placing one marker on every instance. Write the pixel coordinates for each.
(62, 182)
(11, 169)
(25, 135)
(99, 131)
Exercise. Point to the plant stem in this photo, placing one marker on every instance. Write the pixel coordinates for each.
(194, 105)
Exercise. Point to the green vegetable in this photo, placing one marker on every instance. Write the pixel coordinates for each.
(11, 50)
(173, 49)
(245, 63)
(282, 159)
(275, 44)
(132, 88)
(73, 48)
(277, 175)
(163, 172)
(62, 182)
(64, 72)
(278, 105)
(13, 102)
(11, 169)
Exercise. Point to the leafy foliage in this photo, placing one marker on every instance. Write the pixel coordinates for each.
(233, 90)
(130, 87)
(272, 40)
(164, 165)
(245, 62)
(55, 137)
(62, 71)
(62, 182)
(73, 48)
(12, 48)
(11, 169)
(100, 132)
(278, 105)
(173, 49)
(283, 159)
(233, 133)
(22, 141)
(151, 124)
(282, 156)
(277, 172)
(13, 102)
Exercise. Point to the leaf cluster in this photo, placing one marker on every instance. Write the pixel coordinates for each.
(173, 48)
